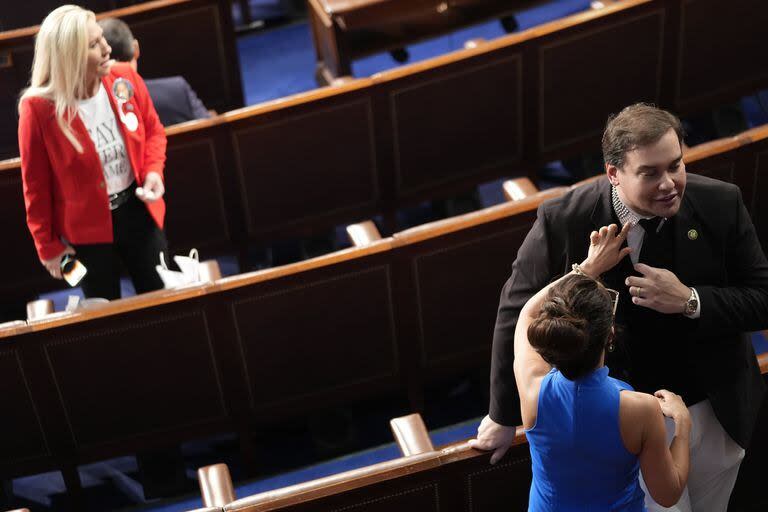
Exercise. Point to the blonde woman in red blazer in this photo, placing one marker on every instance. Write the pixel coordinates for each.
(89, 137)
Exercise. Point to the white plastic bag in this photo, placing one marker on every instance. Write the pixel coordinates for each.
(190, 270)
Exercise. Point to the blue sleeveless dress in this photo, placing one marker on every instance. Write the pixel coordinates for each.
(579, 460)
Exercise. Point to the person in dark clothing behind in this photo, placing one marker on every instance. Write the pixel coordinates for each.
(174, 99)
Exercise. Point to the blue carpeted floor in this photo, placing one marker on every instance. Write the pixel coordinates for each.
(281, 62)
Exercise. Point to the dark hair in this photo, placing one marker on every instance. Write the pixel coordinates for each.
(573, 326)
(635, 126)
(119, 37)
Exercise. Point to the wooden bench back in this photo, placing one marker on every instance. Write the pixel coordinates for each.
(300, 165)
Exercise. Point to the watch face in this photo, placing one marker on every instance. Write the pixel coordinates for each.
(690, 306)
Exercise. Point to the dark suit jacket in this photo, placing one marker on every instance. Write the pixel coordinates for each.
(724, 262)
(175, 101)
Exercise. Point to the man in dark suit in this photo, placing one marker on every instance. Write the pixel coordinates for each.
(174, 99)
(696, 282)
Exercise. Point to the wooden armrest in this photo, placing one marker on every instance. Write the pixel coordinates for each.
(212, 112)
(216, 485)
(411, 435)
(39, 308)
(342, 80)
(209, 271)
(602, 4)
(19, 510)
(474, 43)
(517, 189)
(762, 360)
(363, 233)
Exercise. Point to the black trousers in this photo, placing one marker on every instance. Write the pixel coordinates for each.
(137, 243)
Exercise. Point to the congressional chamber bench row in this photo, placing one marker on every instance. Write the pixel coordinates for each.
(300, 165)
(249, 350)
(452, 478)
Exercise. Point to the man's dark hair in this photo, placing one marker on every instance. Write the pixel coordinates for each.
(637, 125)
(119, 37)
(573, 326)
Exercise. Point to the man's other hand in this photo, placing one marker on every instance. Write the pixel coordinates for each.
(492, 436)
(658, 289)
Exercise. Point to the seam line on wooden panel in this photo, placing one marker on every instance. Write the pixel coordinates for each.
(390, 496)
(415, 266)
(236, 135)
(391, 318)
(217, 179)
(586, 33)
(488, 470)
(517, 59)
(47, 452)
(101, 333)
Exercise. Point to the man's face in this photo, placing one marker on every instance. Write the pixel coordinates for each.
(652, 180)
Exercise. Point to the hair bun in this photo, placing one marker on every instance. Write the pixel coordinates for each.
(555, 309)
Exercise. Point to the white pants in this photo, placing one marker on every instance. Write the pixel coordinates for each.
(715, 461)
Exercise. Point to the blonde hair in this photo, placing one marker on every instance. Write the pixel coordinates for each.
(60, 63)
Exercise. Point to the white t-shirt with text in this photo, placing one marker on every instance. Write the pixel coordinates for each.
(100, 121)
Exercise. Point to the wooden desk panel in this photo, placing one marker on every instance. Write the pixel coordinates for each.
(196, 40)
(137, 375)
(759, 206)
(34, 11)
(24, 275)
(196, 215)
(22, 439)
(13, 79)
(594, 69)
(307, 166)
(457, 122)
(449, 273)
(722, 52)
(317, 338)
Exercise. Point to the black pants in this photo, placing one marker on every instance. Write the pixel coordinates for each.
(137, 243)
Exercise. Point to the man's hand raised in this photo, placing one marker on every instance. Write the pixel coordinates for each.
(492, 436)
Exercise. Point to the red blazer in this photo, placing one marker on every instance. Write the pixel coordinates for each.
(64, 191)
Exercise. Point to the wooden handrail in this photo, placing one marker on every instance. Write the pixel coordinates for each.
(229, 283)
(358, 478)
(115, 307)
(11, 163)
(340, 482)
(445, 226)
(296, 99)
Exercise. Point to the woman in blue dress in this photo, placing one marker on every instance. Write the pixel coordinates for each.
(590, 434)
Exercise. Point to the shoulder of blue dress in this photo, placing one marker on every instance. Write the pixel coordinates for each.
(619, 383)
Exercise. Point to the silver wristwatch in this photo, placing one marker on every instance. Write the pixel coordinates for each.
(691, 305)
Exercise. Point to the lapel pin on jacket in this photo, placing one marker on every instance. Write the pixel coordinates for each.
(693, 234)
(122, 90)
